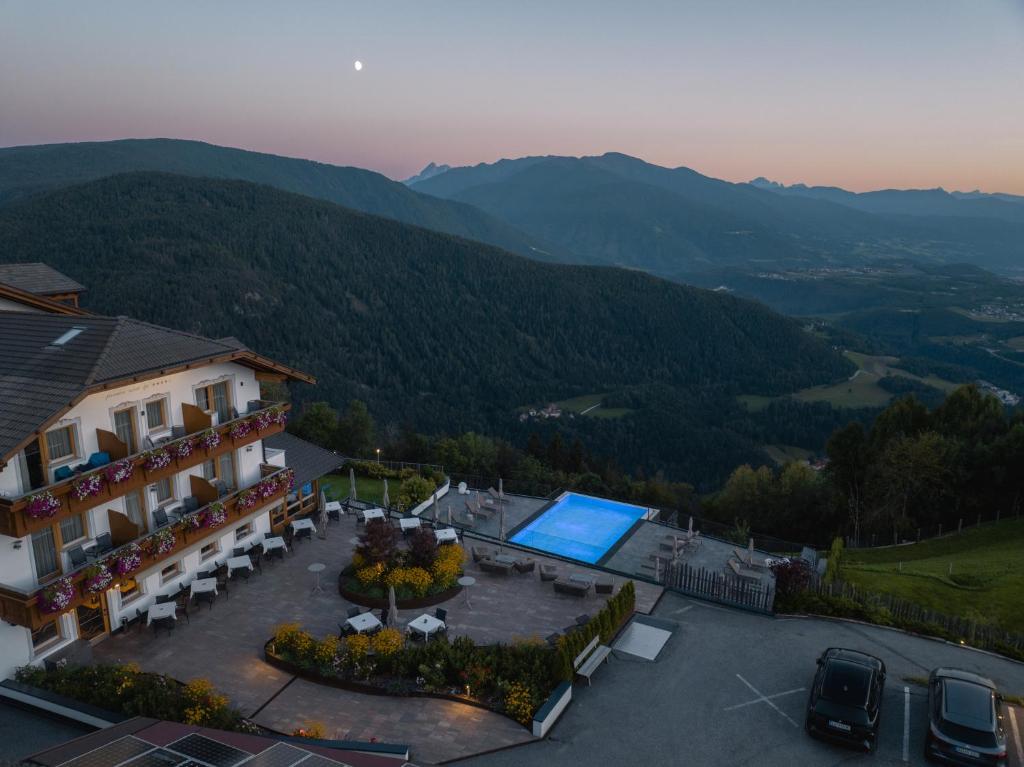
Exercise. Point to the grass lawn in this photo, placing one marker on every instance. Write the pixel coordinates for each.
(590, 405)
(336, 486)
(988, 561)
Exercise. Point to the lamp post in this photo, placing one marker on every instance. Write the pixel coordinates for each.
(378, 455)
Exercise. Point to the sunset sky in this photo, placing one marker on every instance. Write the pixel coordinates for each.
(866, 94)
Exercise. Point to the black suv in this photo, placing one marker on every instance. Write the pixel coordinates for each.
(965, 725)
(846, 698)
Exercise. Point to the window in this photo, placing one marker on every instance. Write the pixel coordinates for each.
(46, 635)
(170, 572)
(44, 551)
(60, 443)
(209, 550)
(124, 428)
(130, 591)
(72, 529)
(243, 531)
(222, 467)
(215, 397)
(156, 414)
(133, 509)
(164, 491)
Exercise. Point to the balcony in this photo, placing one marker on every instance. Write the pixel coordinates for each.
(71, 496)
(29, 609)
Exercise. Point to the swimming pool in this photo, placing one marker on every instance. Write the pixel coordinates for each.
(579, 527)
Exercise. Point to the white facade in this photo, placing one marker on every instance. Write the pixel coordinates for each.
(18, 568)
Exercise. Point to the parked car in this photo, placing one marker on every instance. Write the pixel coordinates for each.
(965, 723)
(846, 698)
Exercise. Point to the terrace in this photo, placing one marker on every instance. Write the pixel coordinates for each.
(224, 643)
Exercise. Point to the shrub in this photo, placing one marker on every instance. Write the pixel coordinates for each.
(422, 547)
(378, 542)
(414, 490)
(518, 703)
(833, 569)
(292, 642)
(370, 574)
(357, 646)
(387, 642)
(444, 573)
(791, 577)
(325, 651)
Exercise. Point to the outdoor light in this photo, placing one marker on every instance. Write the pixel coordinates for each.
(467, 692)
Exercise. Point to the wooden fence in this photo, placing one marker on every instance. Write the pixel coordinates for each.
(718, 587)
(911, 616)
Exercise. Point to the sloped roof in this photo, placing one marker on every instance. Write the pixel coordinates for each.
(38, 302)
(38, 278)
(307, 460)
(41, 379)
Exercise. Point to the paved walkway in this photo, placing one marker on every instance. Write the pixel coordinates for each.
(225, 645)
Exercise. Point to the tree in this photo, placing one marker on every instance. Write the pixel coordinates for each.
(847, 451)
(318, 424)
(356, 431)
(422, 547)
(378, 542)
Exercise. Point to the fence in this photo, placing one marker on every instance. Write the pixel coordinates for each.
(880, 540)
(911, 616)
(718, 587)
(393, 465)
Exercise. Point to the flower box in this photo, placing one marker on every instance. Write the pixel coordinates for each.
(42, 505)
(87, 486)
(183, 448)
(57, 596)
(160, 543)
(209, 439)
(241, 429)
(214, 515)
(127, 560)
(97, 577)
(120, 471)
(156, 459)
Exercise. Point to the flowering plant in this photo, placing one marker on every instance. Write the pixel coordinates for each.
(42, 505)
(120, 471)
(157, 459)
(278, 414)
(87, 486)
(248, 499)
(193, 521)
(241, 428)
(209, 439)
(214, 515)
(183, 447)
(127, 560)
(97, 577)
(57, 596)
(161, 542)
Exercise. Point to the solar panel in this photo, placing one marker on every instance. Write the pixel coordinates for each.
(278, 755)
(156, 758)
(112, 753)
(209, 751)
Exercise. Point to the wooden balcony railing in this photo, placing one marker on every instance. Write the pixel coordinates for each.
(30, 609)
(17, 519)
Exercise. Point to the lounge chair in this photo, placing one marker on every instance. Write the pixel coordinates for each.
(482, 552)
(575, 588)
(548, 572)
(498, 568)
(525, 565)
(495, 494)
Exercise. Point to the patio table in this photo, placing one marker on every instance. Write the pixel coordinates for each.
(303, 524)
(316, 568)
(364, 622)
(333, 506)
(409, 523)
(466, 581)
(276, 542)
(161, 611)
(203, 586)
(238, 563)
(426, 624)
(446, 535)
(373, 514)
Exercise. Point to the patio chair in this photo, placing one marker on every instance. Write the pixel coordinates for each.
(333, 515)
(77, 556)
(548, 572)
(163, 623)
(182, 599)
(160, 518)
(344, 630)
(303, 534)
(206, 596)
(526, 565)
(441, 614)
(256, 556)
(495, 494)
(104, 543)
(498, 568)
(191, 503)
(574, 588)
(482, 552)
(353, 612)
(289, 539)
(384, 616)
(221, 574)
(238, 551)
(604, 585)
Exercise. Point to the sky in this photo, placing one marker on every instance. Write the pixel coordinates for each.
(865, 95)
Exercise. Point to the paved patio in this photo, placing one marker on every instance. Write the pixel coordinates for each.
(225, 645)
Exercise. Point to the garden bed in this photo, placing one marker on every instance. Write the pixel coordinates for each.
(351, 590)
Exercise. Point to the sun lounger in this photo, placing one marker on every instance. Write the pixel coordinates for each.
(567, 586)
(495, 494)
(482, 552)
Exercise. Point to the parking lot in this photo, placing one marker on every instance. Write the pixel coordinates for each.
(731, 688)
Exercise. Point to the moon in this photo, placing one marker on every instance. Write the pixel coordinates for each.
(359, 66)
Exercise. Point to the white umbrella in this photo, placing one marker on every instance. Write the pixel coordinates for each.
(501, 526)
(449, 515)
(433, 510)
(322, 527)
(352, 485)
(689, 530)
(392, 608)
(750, 552)
(501, 489)
(385, 501)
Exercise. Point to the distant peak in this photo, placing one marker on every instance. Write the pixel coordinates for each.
(428, 172)
(765, 183)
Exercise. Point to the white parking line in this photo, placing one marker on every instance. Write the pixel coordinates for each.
(1016, 734)
(906, 724)
(763, 698)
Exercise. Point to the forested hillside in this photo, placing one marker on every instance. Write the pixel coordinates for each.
(432, 331)
(30, 169)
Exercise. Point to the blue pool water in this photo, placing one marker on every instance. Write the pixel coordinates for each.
(579, 527)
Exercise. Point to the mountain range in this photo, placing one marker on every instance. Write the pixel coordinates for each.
(432, 331)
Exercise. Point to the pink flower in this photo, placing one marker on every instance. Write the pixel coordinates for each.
(42, 505)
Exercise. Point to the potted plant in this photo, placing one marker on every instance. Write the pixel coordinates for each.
(87, 486)
(215, 515)
(120, 471)
(161, 542)
(240, 428)
(127, 560)
(183, 447)
(97, 577)
(57, 596)
(209, 439)
(42, 505)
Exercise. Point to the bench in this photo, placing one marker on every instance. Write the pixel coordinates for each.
(592, 656)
